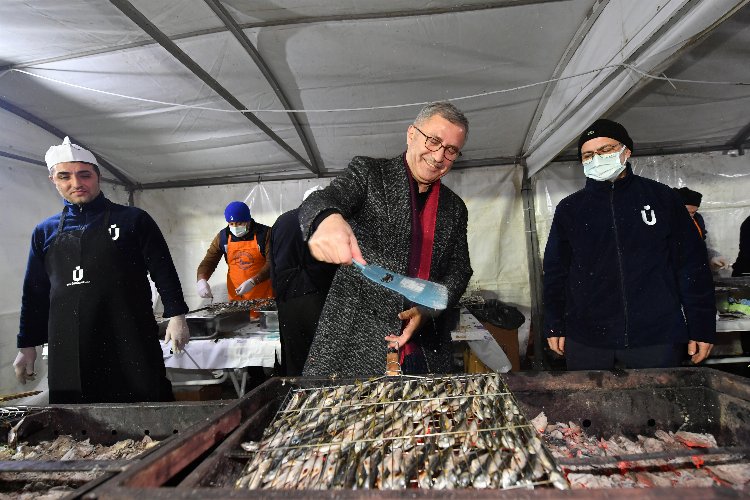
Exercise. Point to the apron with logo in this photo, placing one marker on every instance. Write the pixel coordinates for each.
(245, 261)
(103, 338)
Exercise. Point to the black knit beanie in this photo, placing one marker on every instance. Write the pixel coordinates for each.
(605, 128)
(689, 197)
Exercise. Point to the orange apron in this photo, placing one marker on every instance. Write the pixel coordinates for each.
(245, 261)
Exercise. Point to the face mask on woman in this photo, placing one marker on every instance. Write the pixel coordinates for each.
(238, 231)
(604, 167)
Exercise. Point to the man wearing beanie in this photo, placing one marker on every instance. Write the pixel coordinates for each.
(692, 200)
(626, 276)
(243, 244)
(87, 294)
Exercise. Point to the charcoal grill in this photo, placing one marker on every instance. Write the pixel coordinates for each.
(207, 462)
(222, 317)
(103, 424)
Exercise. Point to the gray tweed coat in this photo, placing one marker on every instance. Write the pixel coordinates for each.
(373, 196)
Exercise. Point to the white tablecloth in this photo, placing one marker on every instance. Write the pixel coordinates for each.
(249, 346)
(724, 324)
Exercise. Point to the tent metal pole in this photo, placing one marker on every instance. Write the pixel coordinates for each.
(149, 28)
(535, 269)
(250, 49)
(22, 113)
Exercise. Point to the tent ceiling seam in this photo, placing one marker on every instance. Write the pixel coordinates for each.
(250, 49)
(287, 22)
(44, 125)
(162, 39)
(570, 111)
(570, 51)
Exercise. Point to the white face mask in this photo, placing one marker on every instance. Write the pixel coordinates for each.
(604, 167)
(238, 231)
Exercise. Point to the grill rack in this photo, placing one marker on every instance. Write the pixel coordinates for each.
(400, 432)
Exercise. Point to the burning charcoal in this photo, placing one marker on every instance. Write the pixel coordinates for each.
(737, 475)
(653, 480)
(540, 423)
(695, 440)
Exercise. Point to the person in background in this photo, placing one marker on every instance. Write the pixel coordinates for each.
(692, 200)
(741, 267)
(243, 244)
(87, 294)
(300, 285)
(626, 276)
(394, 213)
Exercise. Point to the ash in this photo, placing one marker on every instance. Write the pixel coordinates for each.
(53, 485)
(569, 441)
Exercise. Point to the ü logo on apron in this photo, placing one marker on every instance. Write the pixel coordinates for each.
(114, 232)
(648, 217)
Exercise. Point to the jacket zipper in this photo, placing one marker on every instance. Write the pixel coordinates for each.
(619, 260)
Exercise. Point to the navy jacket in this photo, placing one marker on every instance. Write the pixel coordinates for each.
(622, 263)
(294, 271)
(139, 239)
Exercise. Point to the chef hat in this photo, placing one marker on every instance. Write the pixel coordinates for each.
(605, 128)
(68, 152)
(689, 197)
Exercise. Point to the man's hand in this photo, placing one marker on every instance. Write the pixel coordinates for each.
(414, 318)
(334, 242)
(557, 344)
(699, 351)
(24, 364)
(204, 289)
(245, 287)
(719, 262)
(178, 332)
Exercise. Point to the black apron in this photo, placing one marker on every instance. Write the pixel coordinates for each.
(103, 338)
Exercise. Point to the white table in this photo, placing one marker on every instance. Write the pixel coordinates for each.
(248, 346)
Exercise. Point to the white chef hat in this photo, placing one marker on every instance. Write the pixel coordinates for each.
(68, 152)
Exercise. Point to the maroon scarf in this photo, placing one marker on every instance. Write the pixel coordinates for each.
(422, 239)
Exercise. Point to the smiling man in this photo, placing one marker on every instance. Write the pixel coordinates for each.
(86, 293)
(394, 213)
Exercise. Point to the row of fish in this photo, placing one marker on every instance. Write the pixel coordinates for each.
(393, 433)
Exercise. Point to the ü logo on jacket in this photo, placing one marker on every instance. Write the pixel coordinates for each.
(114, 231)
(648, 217)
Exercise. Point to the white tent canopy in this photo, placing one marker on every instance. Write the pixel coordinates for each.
(154, 87)
(192, 104)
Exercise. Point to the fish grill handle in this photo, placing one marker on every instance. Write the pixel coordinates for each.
(392, 364)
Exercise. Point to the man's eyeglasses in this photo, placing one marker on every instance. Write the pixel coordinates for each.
(604, 150)
(434, 144)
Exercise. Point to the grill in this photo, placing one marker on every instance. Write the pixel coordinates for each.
(222, 317)
(208, 462)
(443, 433)
(99, 424)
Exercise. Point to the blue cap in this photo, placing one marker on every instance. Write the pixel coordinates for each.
(237, 211)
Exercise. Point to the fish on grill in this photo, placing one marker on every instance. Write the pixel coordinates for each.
(401, 432)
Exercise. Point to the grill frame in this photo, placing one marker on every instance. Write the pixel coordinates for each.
(200, 464)
(105, 424)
